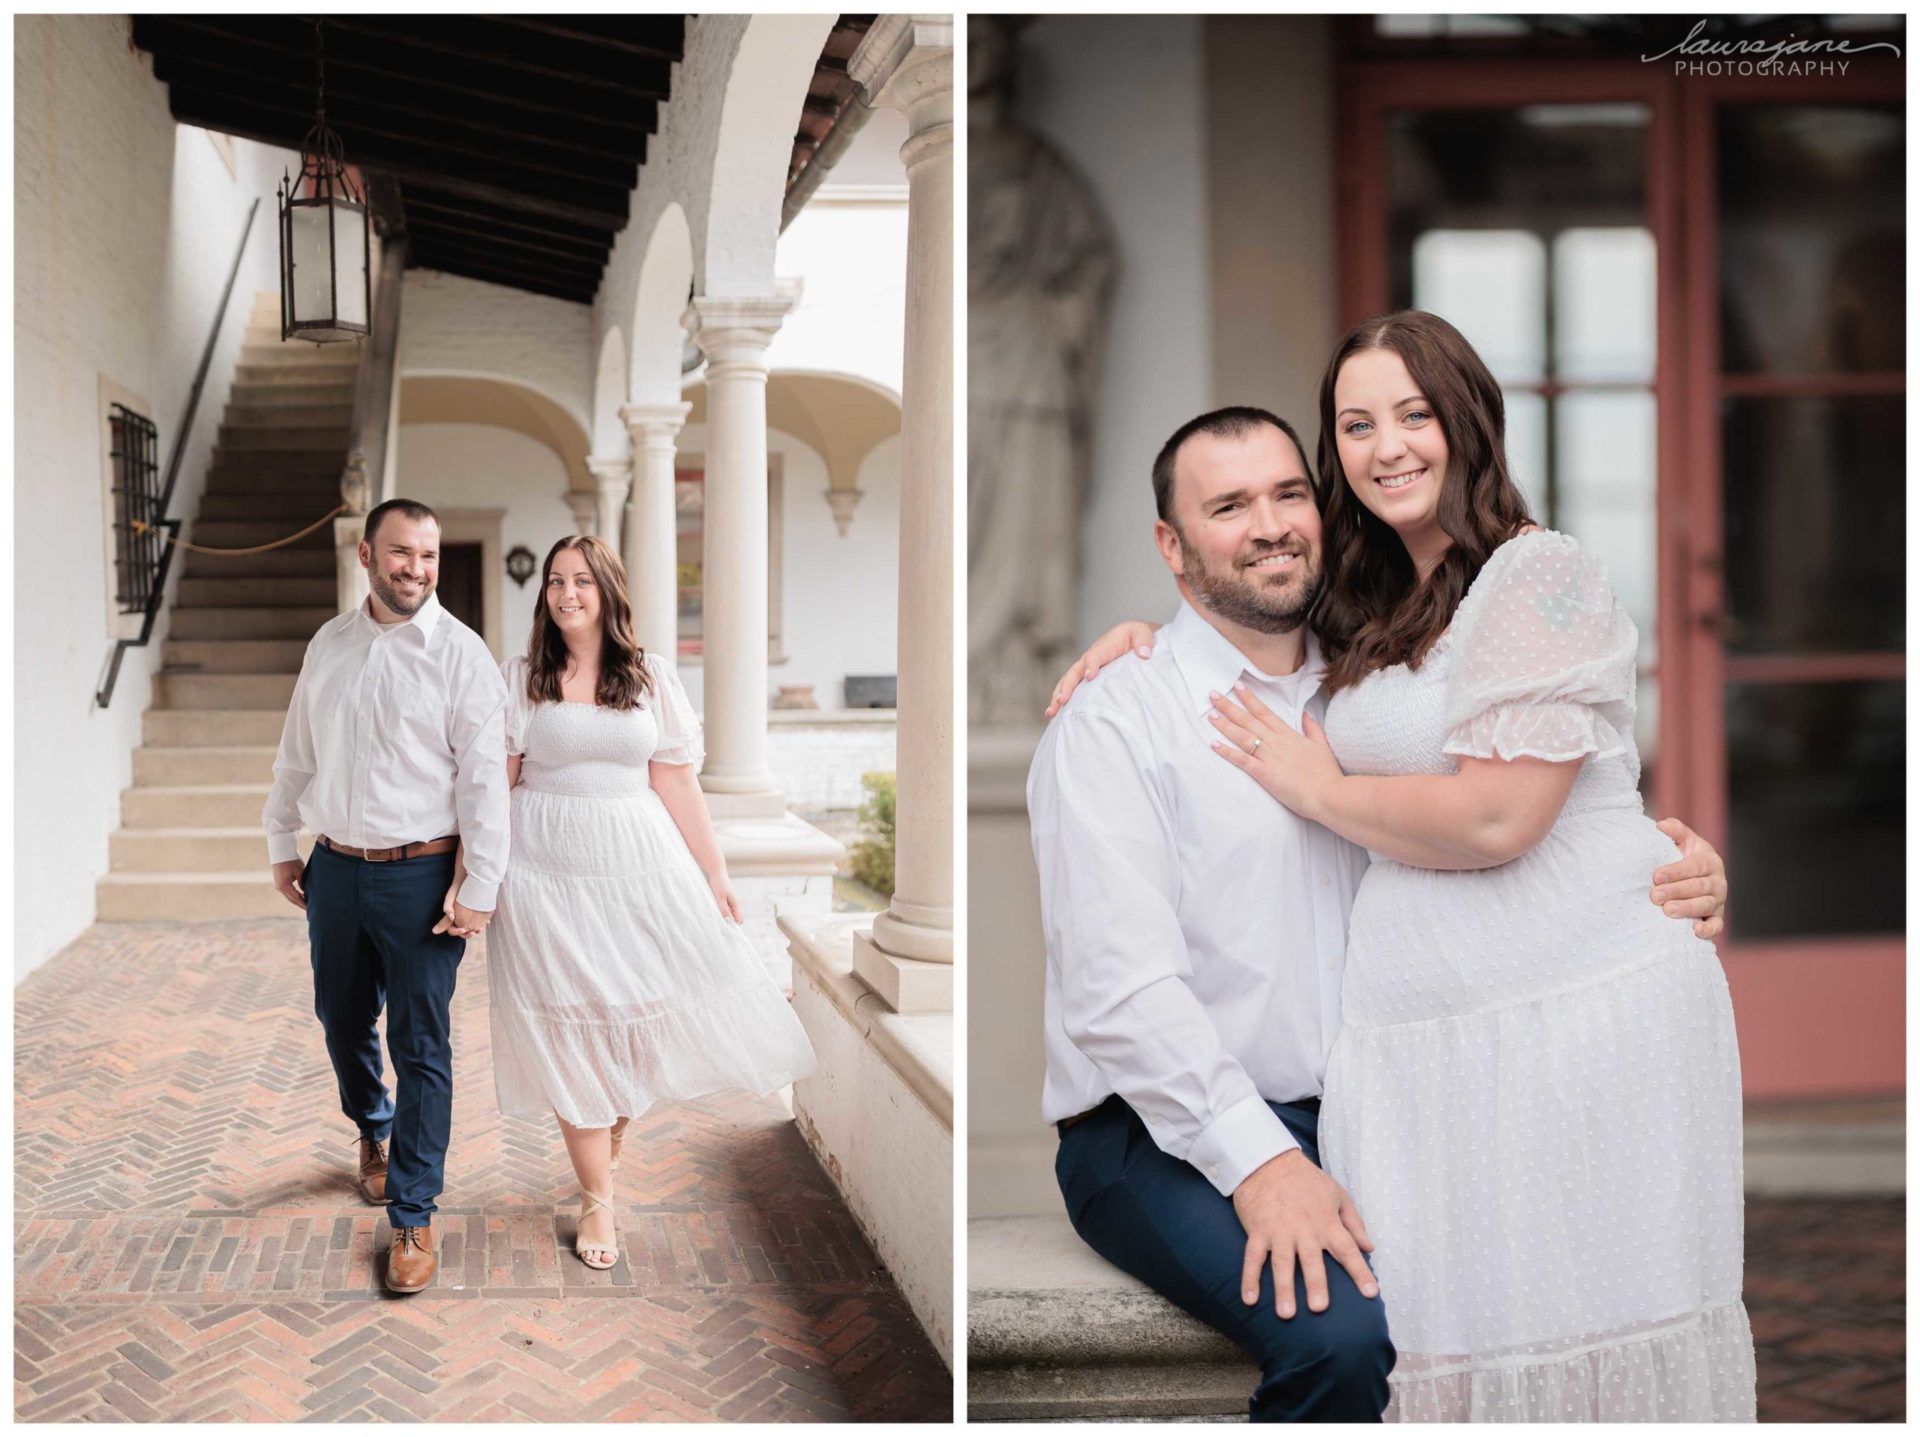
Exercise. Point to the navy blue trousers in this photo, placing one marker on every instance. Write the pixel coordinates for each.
(370, 927)
(1156, 1217)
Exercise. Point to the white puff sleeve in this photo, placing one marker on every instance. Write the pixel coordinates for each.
(519, 710)
(673, 711)
(1544, 661)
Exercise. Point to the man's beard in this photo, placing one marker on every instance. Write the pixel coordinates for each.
(1242, 597)
(387, 594)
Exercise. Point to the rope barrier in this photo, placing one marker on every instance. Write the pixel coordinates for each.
(140, 527)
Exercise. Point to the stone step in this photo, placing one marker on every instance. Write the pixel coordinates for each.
(232, 656)
(191, 897)
(316, 485)
(183, 807)
(249, 623)
(263, 458)
(300, 507)
(298, 562)
(315, 416)
(299, 354)
(223, 691)
(321, 438)
(297, 592)
(191, 850)
(248, 533)
(211, 728)
(1055, 1332)
(294, 371)
(154, 767)
(291, 395)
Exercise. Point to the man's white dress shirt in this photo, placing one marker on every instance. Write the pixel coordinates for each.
(396, 735)
(1196, 927)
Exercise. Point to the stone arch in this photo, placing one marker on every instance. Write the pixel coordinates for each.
(443, 396)
(766, 89)
(609, 393)
(666, 277)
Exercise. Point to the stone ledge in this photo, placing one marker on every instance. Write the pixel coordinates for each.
(1055, 1331)
(786, 844)
(917, 1046)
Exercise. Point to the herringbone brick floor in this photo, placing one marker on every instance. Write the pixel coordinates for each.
(189, 1246)
(1826, 1289)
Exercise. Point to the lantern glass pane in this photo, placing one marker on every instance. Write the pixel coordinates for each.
(350, 255)
(312, 265)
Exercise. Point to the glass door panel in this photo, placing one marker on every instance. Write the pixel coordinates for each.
(1812, 239)
(1526, 228)
(1809, 209)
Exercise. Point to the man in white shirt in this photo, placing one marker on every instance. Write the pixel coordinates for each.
(393, 755)
(1196, 932)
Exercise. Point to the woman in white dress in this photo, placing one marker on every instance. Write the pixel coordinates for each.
(619, 973)
(1534, 1097)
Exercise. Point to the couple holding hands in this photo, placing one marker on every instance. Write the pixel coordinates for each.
(552, 803)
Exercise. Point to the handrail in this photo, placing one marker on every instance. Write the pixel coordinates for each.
(103, 696)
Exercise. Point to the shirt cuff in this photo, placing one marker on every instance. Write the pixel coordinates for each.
(479, 895)
(283, 847)
(1242, 1138)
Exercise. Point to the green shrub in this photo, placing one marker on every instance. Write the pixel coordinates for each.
(873, 855)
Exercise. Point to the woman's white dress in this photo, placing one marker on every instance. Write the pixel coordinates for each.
(1535, 1095)
(615, 981)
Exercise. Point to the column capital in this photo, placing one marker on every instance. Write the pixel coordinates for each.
(653, 423)
(906, 62)
(583, 503)
(732, 328)
(610, 470)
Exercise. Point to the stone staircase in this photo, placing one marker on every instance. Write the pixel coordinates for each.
(190, 844)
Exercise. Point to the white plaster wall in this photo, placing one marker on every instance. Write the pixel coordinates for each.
(1123, 97)
(841, 593)
(450, 324)
(124, 227)
(480, 466)
(852, 259)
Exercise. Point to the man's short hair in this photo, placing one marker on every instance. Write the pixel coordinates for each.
(410, 508)
(1228, 423)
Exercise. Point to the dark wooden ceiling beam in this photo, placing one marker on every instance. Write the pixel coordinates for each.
(492, 274)
(450, 212)
(360, 127)
(432, 232)
(662, 37)
(473, 41)
(409, 168)
(434, 256)
(393, 104)
(291, 41)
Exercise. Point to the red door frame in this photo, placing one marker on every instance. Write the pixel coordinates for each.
(1816, 1017)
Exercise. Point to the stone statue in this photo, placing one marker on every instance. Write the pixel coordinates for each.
(1040, 268)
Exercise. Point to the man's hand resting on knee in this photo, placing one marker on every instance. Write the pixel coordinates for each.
(1293, 1211)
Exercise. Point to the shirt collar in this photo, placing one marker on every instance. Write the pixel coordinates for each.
(423, 620)
(1209, 663)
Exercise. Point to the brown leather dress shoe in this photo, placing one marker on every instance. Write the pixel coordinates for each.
(372, 1177)
(411, 1264)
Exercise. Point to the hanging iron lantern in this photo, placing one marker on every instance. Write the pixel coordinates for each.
(326, 286)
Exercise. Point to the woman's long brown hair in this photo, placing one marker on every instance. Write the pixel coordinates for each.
(623, 663)
(1374, 610)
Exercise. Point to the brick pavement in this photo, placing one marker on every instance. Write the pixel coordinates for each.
(1826, 1293)
(189, 1246)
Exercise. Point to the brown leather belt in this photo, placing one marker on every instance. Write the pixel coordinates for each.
(391, 855)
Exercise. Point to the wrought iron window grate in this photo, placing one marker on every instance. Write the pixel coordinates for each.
(139, 539)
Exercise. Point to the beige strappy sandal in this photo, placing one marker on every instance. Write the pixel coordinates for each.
(609, 1250)
(615, 1136)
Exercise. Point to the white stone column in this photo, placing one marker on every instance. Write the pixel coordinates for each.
(906, 62)
(651, 551)
(734, 333)
(612, 477)
(583, 503)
